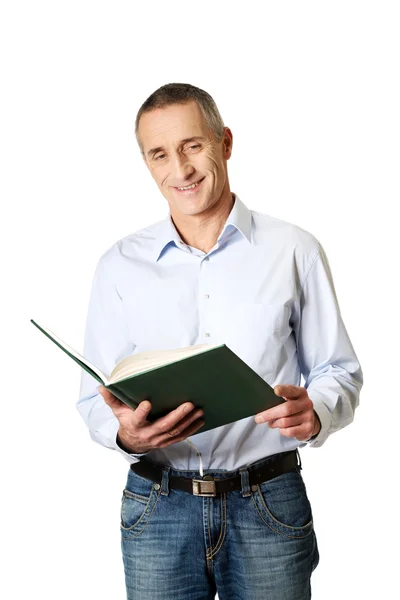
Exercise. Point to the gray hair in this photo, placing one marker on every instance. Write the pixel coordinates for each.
(181, 93)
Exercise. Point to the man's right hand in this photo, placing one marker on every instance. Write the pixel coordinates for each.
(139, 435)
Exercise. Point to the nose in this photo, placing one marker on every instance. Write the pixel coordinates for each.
(181, 169)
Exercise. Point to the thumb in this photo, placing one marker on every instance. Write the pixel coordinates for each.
(141, 412)
(289, 392)
(109, 398)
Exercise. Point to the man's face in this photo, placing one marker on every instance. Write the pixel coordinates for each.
(180, 150)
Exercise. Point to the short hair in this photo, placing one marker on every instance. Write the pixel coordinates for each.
(181, 93)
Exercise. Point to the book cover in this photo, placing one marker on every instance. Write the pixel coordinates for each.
(216, 380)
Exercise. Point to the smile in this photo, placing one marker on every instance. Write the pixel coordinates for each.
(190, 187)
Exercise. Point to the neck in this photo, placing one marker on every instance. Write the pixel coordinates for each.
(202, 231)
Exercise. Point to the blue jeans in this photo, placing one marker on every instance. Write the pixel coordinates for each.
(253, 543)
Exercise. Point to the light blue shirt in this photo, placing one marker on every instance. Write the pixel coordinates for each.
(265, 290)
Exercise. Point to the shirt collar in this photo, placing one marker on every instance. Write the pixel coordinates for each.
(239, 218)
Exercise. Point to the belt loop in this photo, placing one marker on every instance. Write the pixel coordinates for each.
(165, 481)
(244, 479)
(299, 459)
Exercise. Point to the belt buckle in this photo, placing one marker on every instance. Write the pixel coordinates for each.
(204, 487)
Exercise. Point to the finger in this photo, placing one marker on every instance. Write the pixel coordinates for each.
(191, 430)
(178, 428)
(300, 433)
(289, 391)
(164, 424)
(109, 398)
(286, 422)
(291, 407)
(184, 423)
(141, 413)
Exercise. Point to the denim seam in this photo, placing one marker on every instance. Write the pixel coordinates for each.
(223, 529)
(220, 533)
(276, 520)
(148, 521)
(295, 537)
(209, 529)
(133, 527)
(138, 497)
(309, 524)
(144, 527)
(142, 515)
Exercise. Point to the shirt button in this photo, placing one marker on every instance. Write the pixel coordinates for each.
(207, 258)
(207, 334)
(206, 296)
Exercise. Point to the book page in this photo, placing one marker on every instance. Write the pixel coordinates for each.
(146, 361)
(81, 360)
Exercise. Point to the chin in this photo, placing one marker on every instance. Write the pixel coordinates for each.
(189, 205)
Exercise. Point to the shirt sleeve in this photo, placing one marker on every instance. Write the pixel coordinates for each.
(332, 372)
(107, 342)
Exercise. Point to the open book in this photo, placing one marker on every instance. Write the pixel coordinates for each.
(213, 377)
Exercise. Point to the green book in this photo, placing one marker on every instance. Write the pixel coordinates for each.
(213, 377)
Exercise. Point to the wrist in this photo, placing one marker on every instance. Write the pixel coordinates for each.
(123, 443)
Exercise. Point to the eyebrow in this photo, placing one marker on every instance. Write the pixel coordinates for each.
(182, 142)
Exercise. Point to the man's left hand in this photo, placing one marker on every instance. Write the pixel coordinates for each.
(296, 417)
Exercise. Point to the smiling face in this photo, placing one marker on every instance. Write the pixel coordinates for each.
(182, 152)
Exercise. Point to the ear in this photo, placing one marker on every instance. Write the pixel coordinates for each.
(227, 140)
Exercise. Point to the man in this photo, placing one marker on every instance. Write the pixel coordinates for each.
(214, 271)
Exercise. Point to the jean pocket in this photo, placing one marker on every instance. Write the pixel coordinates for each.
(139, 500)
(283, 505)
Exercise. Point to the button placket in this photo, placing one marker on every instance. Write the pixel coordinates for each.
(205, 297)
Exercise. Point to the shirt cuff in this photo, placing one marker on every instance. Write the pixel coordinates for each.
(324, 416)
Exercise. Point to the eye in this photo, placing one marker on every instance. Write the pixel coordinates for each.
(159, 156)
(194, 146)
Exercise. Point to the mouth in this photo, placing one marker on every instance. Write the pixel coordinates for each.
(190, 189)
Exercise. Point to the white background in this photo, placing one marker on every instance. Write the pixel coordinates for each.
(310, 91)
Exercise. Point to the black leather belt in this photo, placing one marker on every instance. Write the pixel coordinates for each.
(211, 486)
